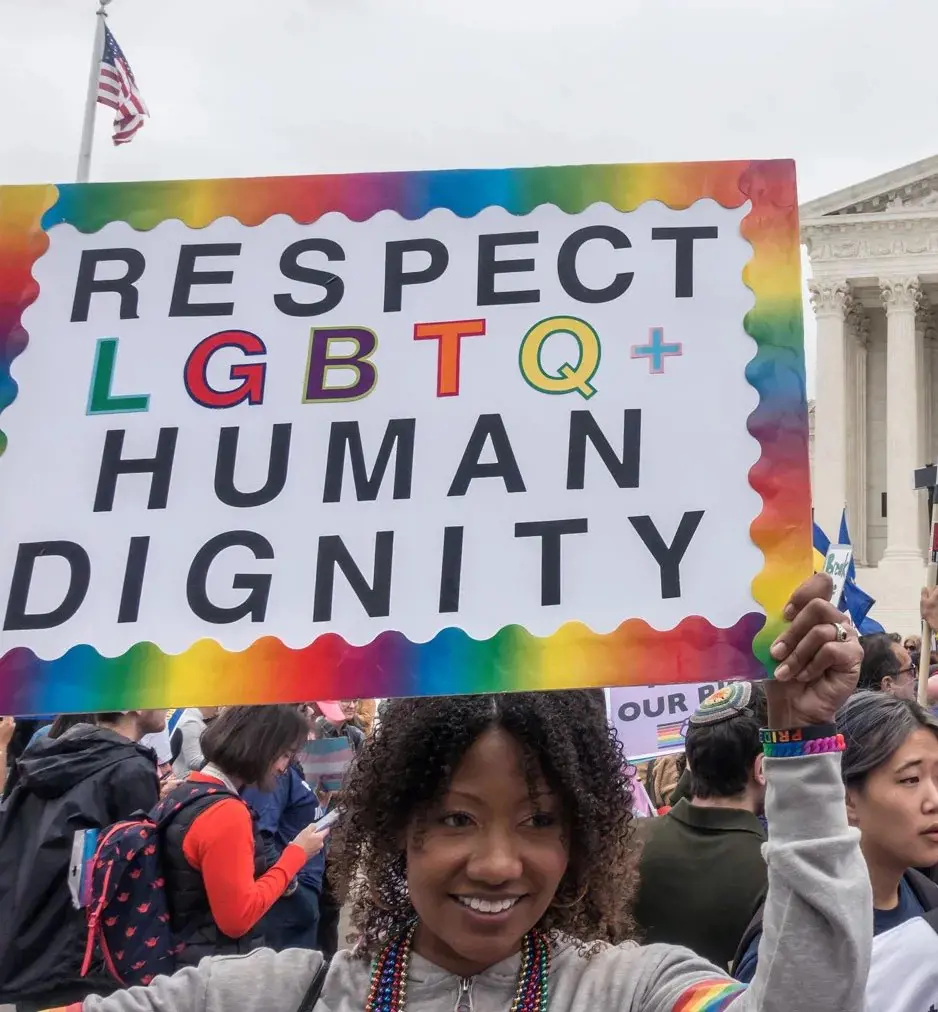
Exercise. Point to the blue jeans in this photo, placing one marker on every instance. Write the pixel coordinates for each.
(293, 921)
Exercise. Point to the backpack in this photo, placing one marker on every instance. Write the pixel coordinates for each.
(129, 912)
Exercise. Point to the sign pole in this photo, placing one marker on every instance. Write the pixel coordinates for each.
(927, 477)
(924, 663)
(83, 172)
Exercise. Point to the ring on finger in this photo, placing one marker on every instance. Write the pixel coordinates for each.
(840, 632)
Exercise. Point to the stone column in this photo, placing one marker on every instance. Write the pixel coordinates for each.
(831, 300)
(928, 333)
(903, 392)
(857, 346)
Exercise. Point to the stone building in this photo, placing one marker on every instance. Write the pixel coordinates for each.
(873, 249)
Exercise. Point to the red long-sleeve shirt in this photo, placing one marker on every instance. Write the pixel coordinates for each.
(220, 845)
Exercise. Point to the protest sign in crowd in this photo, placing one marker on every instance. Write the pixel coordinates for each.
(480, 445)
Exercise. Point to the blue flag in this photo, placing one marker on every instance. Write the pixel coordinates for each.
(844, 539)
(857, 602)
(822, 542)
(870, 626)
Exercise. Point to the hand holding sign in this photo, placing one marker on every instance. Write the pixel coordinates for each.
(929, 607)
(821, 656)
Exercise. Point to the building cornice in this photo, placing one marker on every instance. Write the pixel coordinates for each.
(887, 182)
(870, 245)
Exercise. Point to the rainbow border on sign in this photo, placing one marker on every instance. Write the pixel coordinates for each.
(452, 662)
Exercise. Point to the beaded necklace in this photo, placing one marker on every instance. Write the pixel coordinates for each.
(388, 992)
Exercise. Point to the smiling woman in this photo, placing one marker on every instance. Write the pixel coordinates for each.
(486, 843)
(531, 828)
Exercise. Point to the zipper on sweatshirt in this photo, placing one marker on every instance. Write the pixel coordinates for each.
(464, 998)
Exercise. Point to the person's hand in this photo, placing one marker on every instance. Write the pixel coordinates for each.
(932, 690)
(168, 784)
(818, 673)
(928, 606)
(311, 841)
(7, 727)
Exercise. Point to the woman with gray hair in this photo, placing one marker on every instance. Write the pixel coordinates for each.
(890, 772)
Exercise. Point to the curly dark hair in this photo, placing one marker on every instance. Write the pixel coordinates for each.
(406, 766)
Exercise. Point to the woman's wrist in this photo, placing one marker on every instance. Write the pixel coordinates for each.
(782, 714)
(780, 735)
(819, 739)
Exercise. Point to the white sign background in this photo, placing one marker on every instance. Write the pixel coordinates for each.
(695, 449)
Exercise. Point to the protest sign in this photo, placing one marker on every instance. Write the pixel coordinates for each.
(279, 439)
(652, 720)
(837, 566)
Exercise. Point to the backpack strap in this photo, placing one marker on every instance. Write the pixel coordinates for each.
(315, 989)
(188, 793)
(931, 919)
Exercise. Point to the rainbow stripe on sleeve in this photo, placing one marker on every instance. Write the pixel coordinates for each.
(709, 996)
(451, 662)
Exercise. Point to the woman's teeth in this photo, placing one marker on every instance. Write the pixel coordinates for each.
(488, 906)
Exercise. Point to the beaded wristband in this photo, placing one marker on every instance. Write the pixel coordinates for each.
(800, 741)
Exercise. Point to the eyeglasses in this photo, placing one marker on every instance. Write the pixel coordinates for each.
(910, 670)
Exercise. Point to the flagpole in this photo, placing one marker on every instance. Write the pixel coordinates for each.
(91, 98)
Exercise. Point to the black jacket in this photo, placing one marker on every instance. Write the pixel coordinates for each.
(89, 778)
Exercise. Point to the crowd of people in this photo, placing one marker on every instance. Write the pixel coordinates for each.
(243, 864)
(488, 849)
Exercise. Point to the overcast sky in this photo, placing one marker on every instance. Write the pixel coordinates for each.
(846, 87)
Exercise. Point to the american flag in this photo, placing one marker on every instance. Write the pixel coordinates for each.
(118, 90)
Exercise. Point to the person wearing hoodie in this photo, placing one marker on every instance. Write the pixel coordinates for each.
(487, 844)
(91, 777)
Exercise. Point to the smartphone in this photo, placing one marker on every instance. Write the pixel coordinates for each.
(328, 820)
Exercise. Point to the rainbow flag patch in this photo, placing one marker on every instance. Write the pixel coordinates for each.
(709, 996)
(669, 735)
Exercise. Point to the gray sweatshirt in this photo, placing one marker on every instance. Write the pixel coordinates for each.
(814, 955)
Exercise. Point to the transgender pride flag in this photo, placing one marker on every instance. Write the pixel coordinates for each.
(325, 761)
